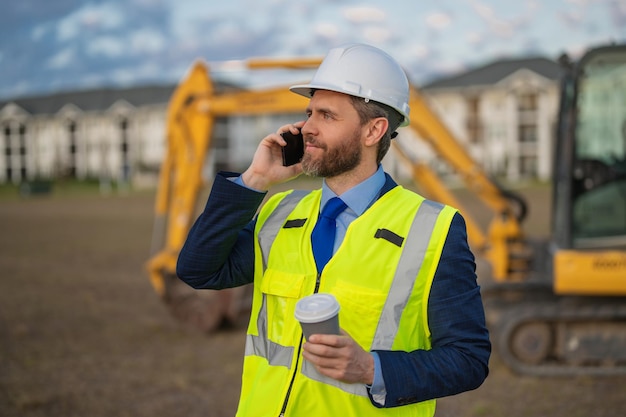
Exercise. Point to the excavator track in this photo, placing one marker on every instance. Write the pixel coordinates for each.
(207, 310)
(537, 333)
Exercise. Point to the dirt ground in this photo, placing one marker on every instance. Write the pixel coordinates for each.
(83, 334)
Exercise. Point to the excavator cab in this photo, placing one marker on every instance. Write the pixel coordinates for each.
(599, 177)
(593, 189)
(590, 176)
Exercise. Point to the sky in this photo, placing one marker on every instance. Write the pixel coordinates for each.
(49, 46)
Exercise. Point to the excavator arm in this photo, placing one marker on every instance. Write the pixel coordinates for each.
(191, 116)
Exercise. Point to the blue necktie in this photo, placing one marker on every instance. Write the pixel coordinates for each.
(323, 236)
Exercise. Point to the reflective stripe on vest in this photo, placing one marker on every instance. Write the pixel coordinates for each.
(276, 220)
(276, 355)
(410, 262)
(408, 267)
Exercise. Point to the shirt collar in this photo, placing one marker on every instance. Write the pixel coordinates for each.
(361, 196)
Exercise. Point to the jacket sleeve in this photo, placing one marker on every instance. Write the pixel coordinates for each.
(458, 359)
(219, 250)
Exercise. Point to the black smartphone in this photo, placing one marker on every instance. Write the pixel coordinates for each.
(294, 150)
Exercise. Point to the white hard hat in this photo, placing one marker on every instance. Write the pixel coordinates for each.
(362, 71)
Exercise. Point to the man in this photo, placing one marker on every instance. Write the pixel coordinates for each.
(412, 320)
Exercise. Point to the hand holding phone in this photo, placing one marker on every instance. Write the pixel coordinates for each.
(294, 150)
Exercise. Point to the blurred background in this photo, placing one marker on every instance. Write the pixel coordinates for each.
(90, 315)
(69, 45)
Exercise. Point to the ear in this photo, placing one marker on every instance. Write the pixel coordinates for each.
(375, 129)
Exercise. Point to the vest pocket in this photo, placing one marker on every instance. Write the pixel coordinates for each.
(360, 310)
(282, 284)
(281, 291)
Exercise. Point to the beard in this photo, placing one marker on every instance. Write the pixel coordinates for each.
(335, 161)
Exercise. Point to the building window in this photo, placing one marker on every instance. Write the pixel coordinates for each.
(22, 150)
(15, 152)
(71, 132)
(124, 136)
(124, 149)
(527, 133)
(527, 102)
(473, 124)
(7, 153)
(527, 116)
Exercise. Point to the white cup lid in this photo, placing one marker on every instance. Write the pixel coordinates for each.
(316, 308)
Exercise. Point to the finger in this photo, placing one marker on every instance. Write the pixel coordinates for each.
(329, 339)
(293, 128)
(274, 141)
(324, 361)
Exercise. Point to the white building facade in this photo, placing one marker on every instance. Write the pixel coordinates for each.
(505, 114)
(81, 136)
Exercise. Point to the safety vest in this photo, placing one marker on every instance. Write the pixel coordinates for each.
(381, 275)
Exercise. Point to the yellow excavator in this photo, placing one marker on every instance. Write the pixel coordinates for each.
(555, 307)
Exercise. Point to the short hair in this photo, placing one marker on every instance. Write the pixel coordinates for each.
(368, 110)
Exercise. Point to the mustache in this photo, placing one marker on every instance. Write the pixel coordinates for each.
(310, 140)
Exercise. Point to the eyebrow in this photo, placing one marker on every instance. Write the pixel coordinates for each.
(324, 110)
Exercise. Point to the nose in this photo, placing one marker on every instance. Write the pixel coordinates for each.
(309, 128)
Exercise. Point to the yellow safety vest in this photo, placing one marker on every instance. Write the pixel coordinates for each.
(381, 276)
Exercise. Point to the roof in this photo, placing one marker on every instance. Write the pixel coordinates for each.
(91, 100)
(99, 99)
(496, 71)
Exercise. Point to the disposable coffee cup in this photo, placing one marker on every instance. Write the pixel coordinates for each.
(318, 314)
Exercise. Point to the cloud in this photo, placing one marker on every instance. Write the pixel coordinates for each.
(326, 30)
(474, 38)
(91, 18)
(571, 18)
(579, 2)
(147, 3)
(376, 34)
(147, 41)
(107, 46)
(483, 10)
(419, 51)
(39, 32)
(364, 14)
(505, 28)
(62, 59)
(497, 26)
(124, 75)
(618, 14)
(438, 20)
(231, 31)
(532, 4)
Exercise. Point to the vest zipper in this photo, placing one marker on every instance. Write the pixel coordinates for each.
(317, 283)
(293, 378)
(295, 368)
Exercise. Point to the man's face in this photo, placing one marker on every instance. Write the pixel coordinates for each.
(332, 135)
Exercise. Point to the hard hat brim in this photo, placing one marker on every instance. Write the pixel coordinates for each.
(305, 90)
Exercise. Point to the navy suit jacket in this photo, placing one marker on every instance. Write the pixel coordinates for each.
(219, 254)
